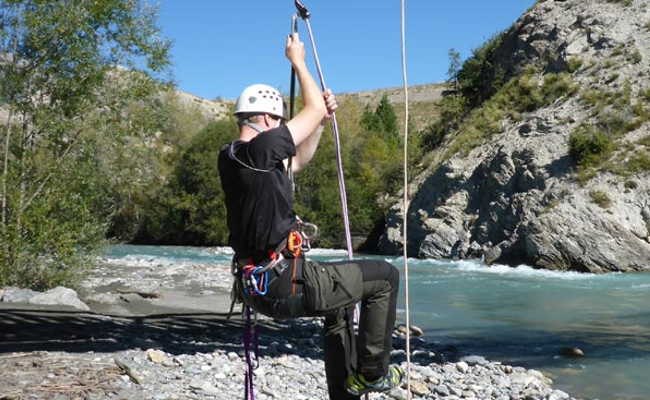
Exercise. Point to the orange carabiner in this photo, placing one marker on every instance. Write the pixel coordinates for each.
(294, 243)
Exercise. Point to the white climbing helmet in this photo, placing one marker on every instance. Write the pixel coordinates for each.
(260, 98)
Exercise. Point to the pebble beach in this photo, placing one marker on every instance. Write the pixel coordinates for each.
(161, 332)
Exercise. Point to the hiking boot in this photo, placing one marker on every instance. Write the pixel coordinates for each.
(357, 385)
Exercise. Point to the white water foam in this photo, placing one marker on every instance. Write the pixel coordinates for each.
(477, 266)
(144, 262)
(521, 270)
(219, 250)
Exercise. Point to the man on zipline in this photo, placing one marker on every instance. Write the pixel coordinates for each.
(272, 275)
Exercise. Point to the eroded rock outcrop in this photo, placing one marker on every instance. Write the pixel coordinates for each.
(515, 198)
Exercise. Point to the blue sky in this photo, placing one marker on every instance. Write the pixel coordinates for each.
(222, 46)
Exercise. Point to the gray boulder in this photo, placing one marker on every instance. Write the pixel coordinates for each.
(60, 296)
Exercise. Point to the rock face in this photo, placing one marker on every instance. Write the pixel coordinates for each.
(211, 109)
(515, 199)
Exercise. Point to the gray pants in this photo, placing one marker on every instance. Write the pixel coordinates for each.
(332, 290)
(369, 352)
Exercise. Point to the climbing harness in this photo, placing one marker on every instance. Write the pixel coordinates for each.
(255, 276)
(406, 198)
(253, 279)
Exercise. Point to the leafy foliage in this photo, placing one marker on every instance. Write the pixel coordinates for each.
(190, 208)
(588, 146)
(574, 64)
(624, 3)
(601, 198)
(480, 97)
(480, 77)
(371, 151)
(66, 101)
(614, 113)
(522, 94)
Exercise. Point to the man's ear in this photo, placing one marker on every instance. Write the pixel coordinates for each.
(268, 121)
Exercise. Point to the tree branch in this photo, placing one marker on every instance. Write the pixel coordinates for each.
(49, 176)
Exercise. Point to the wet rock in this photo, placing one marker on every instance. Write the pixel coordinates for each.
(572, 352)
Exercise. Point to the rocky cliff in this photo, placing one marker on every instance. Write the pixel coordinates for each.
(524, 194)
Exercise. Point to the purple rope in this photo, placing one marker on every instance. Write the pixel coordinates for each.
(250, 350)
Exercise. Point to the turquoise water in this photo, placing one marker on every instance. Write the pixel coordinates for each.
(518, 315)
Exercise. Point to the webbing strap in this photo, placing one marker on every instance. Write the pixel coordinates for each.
(250, 340)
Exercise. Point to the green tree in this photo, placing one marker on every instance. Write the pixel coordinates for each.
(382, 121)
(152, 162)
(454, 67)
(74, 101)
(191, 208)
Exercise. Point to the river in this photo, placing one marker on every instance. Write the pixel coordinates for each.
(520, 316)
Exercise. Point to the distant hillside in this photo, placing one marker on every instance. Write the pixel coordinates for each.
(212, 109)
(422, 98)
(428, 93)
(423, 101)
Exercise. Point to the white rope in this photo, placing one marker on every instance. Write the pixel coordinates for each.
(405, 205)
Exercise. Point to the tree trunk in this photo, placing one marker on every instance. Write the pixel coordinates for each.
(5, 171)
(22, 181)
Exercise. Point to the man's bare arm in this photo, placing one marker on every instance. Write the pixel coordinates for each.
(306, 150)
(314, 110)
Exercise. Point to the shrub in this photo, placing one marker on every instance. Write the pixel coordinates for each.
(609, 63)
(588, 147)
(77, 110)
(618, 50)
(624, 3)
(645, 141)
(639, 162)
(480, 77)
(645, 94)
(190, 209)
(574, 64)
(601, 198)
(525, 93)
(452, 111)
(635, 57)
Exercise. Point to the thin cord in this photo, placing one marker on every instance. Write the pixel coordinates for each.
(405, 209)
(337, 145)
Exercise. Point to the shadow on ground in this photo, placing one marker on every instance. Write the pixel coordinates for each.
(28, 330)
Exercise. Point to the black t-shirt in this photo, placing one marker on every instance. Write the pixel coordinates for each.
(258, 192)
